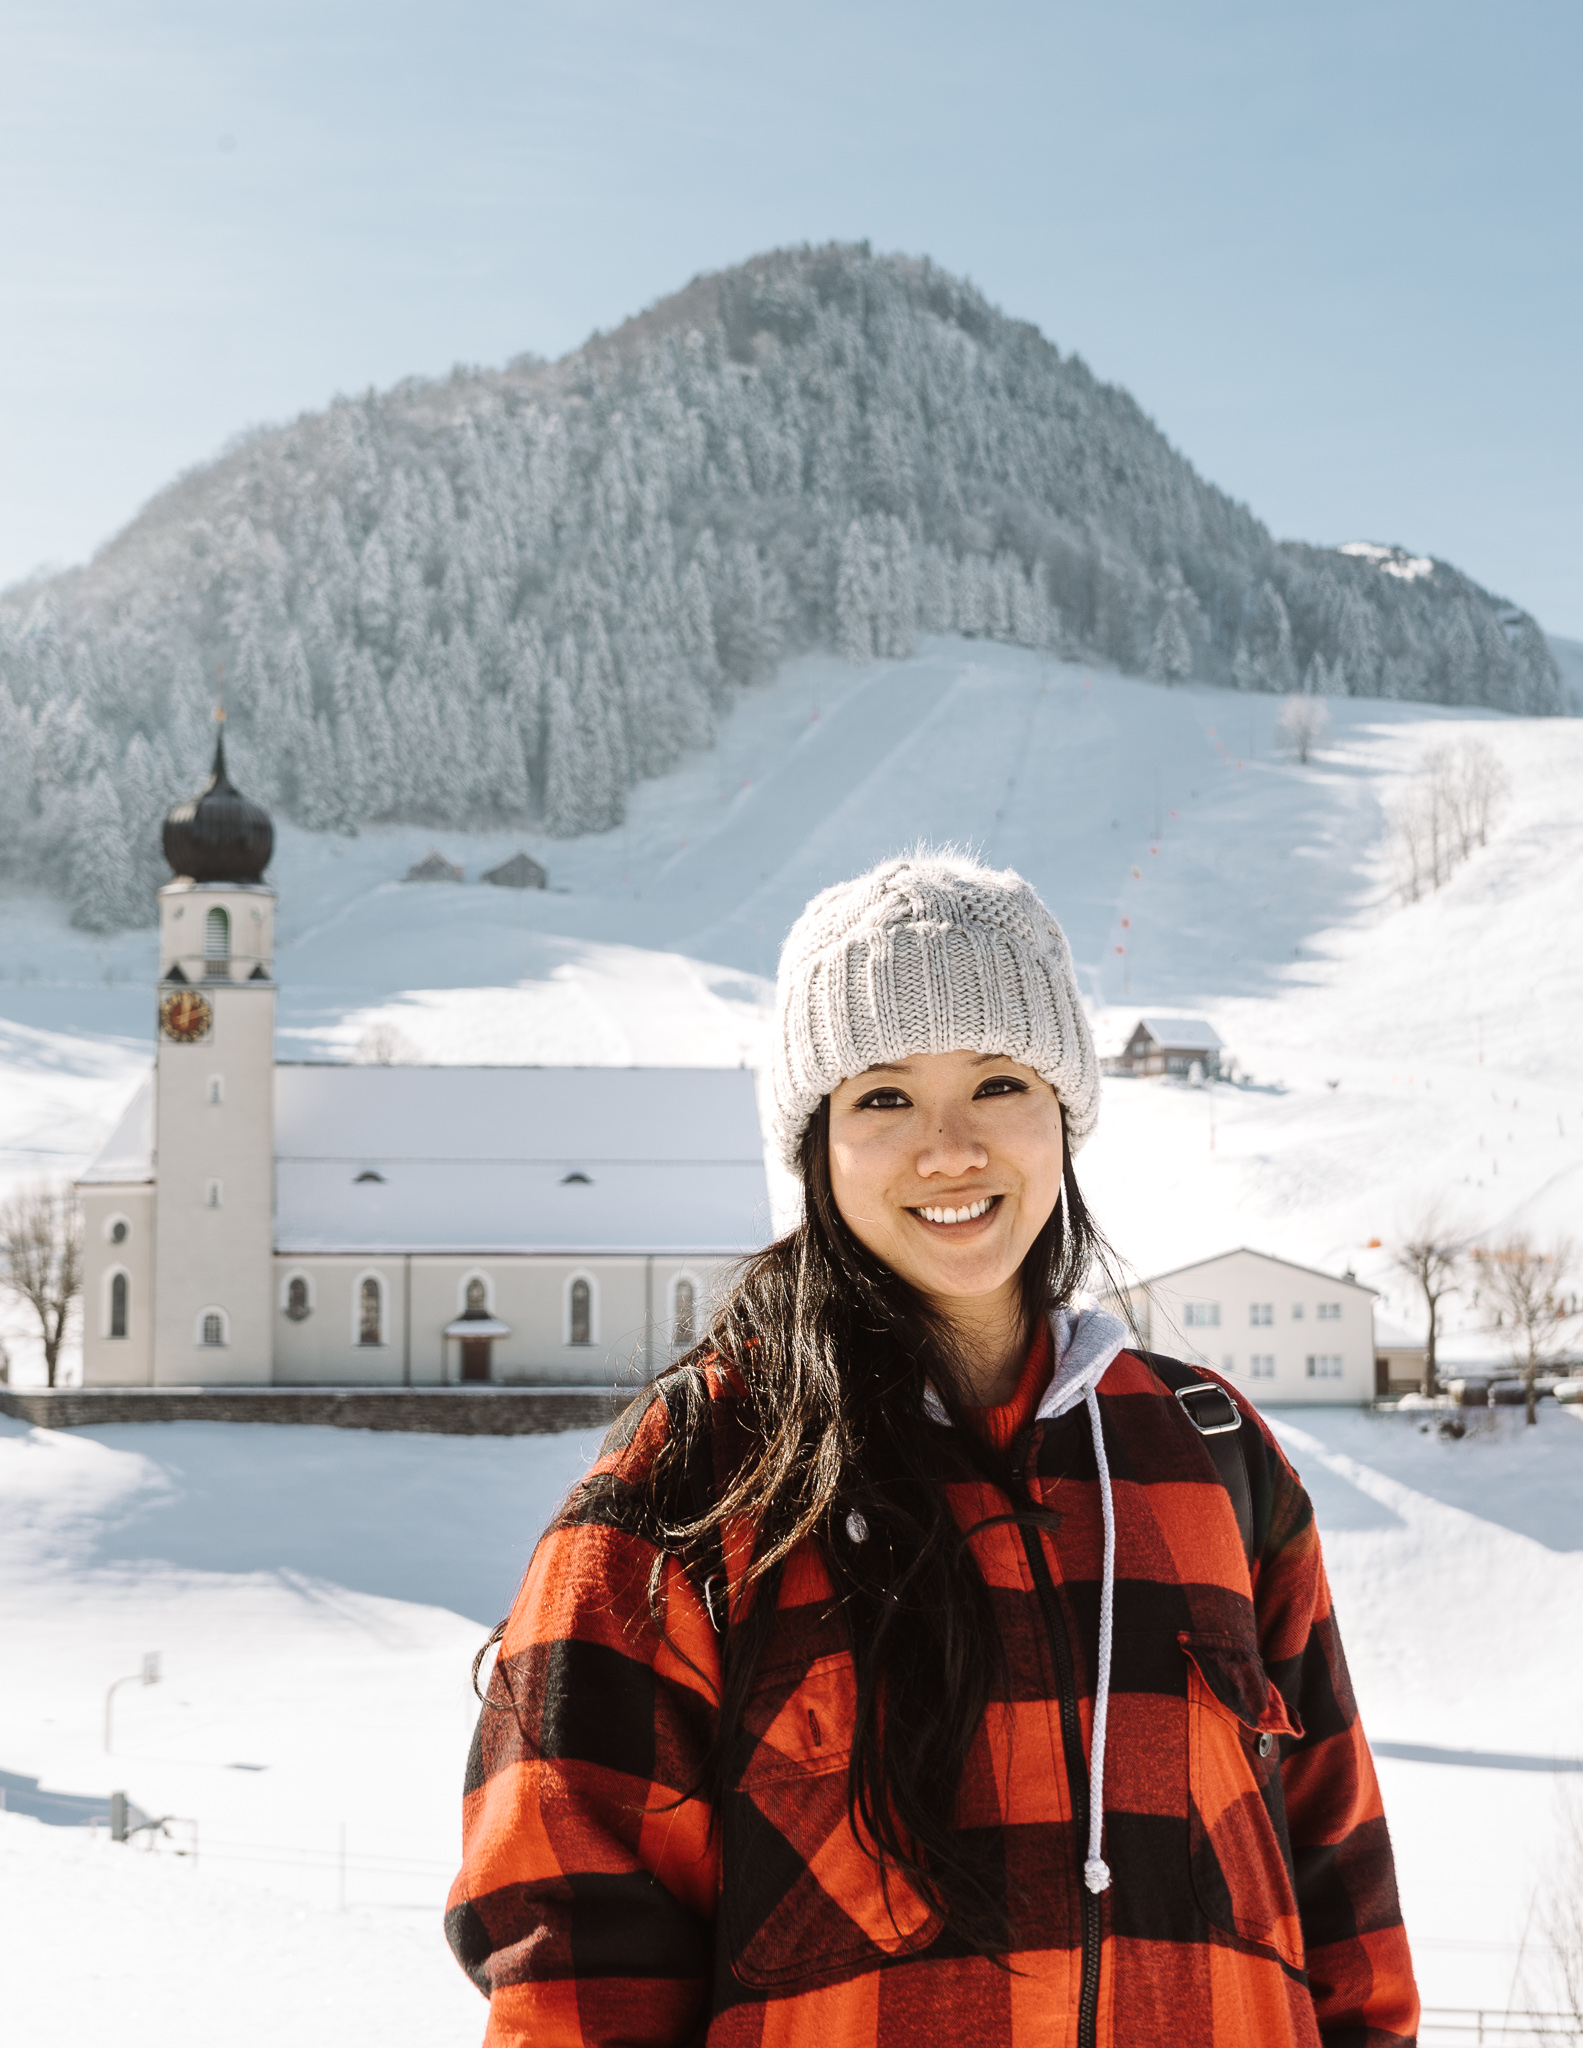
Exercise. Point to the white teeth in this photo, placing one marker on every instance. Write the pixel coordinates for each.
(967, 1215)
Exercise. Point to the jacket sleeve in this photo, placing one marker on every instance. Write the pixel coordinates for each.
(1360, 1970)
(584, 1909)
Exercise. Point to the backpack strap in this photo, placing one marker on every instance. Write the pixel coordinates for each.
(1218, 1420)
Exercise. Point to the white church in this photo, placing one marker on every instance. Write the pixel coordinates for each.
(253, 1222)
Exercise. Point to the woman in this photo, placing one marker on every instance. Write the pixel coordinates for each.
(901, 1672)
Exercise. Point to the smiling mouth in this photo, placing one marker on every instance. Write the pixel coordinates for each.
(969, 1212)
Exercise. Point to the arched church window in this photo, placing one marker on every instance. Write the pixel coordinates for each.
(298, 1307)
(370, 1317)
(685, 1305)
(118, 1305)
(582, 1312)
(477, 1298)
(213, 1327)
(217, 935)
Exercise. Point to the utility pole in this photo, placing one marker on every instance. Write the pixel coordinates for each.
(149, 1675)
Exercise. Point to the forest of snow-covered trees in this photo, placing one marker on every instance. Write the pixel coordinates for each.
(512, 593)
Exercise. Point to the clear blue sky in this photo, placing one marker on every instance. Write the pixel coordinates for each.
(1332, 248)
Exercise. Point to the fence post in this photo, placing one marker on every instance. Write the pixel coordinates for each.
(118, 1816)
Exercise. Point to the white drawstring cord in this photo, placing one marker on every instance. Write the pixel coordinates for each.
(1096, 1871)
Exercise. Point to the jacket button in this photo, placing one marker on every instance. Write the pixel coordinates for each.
(1266, 1745)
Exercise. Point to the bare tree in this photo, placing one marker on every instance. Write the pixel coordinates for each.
(1529, 1307)
(1431, 1256)
(1303, 725)
(41, 1258)
(386, 1045)
(1447, 808)
(1481, 787)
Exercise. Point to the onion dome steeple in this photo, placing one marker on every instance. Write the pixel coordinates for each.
(218, 835)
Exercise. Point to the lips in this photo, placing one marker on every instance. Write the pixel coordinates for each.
(945, 1217)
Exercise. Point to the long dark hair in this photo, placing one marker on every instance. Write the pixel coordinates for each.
(834, 1353)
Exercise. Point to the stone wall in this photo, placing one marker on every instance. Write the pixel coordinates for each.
(447, 1411)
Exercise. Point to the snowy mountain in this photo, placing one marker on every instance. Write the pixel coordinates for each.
(518, 593)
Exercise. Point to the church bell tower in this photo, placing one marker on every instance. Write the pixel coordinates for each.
(214, 1099)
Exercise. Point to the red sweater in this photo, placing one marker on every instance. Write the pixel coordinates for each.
(999, 1425)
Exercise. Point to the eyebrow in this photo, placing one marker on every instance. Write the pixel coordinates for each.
(980, 1059)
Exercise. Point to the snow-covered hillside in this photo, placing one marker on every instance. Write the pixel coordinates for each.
(317, 1595)
(1389, 1050)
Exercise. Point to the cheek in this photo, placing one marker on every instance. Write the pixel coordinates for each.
(1039, 1159)
(859, 1174)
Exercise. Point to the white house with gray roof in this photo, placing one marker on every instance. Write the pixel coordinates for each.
(1284, 1334)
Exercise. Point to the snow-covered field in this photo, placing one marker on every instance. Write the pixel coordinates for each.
(317, 1595)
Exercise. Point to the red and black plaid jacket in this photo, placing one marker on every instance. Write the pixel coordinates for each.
(1253, 1902)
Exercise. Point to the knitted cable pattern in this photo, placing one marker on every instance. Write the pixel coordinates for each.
(931, 952)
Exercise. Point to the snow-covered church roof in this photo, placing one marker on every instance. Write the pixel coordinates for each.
(127, 1155)
(475, 1159)
(501, 1159)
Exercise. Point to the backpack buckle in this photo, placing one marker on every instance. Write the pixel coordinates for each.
(1210, 1409)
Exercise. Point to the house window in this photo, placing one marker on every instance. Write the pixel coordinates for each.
(1297, 1311)
(1329, 1311)
(1203, 1315)
(211, 1194)
(298, 1306)
(118, 1305)
(684, 1308)
(580, 1317)
(1228, 1365)
(217, 935)
(216, 1088)
(211, 1330)
(1261, 1366)
(1324, 1365)
(477, 1298)
(370, 1311)
(1261, 1314)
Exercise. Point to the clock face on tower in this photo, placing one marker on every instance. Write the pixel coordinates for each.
(185, 1016)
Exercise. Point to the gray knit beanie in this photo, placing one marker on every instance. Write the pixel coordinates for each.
(928, 953)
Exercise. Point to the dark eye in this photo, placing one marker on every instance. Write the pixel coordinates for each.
(884, 1098)
(1000, 1084)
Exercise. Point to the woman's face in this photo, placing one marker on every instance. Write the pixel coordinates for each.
(947, 1166)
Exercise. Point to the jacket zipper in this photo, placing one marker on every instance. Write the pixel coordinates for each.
(1072, 1745)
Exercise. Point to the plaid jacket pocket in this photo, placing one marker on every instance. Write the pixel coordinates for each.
(1238, 1842)
(804, 1899)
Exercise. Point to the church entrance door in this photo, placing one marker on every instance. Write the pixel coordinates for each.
(475, 1357)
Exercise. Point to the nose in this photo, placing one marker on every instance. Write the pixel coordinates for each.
(950, 1150)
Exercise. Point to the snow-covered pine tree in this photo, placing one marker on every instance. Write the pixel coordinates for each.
(972, 596)
(102, 879)
(17, 778)
(1170, 652)
(567, 770)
